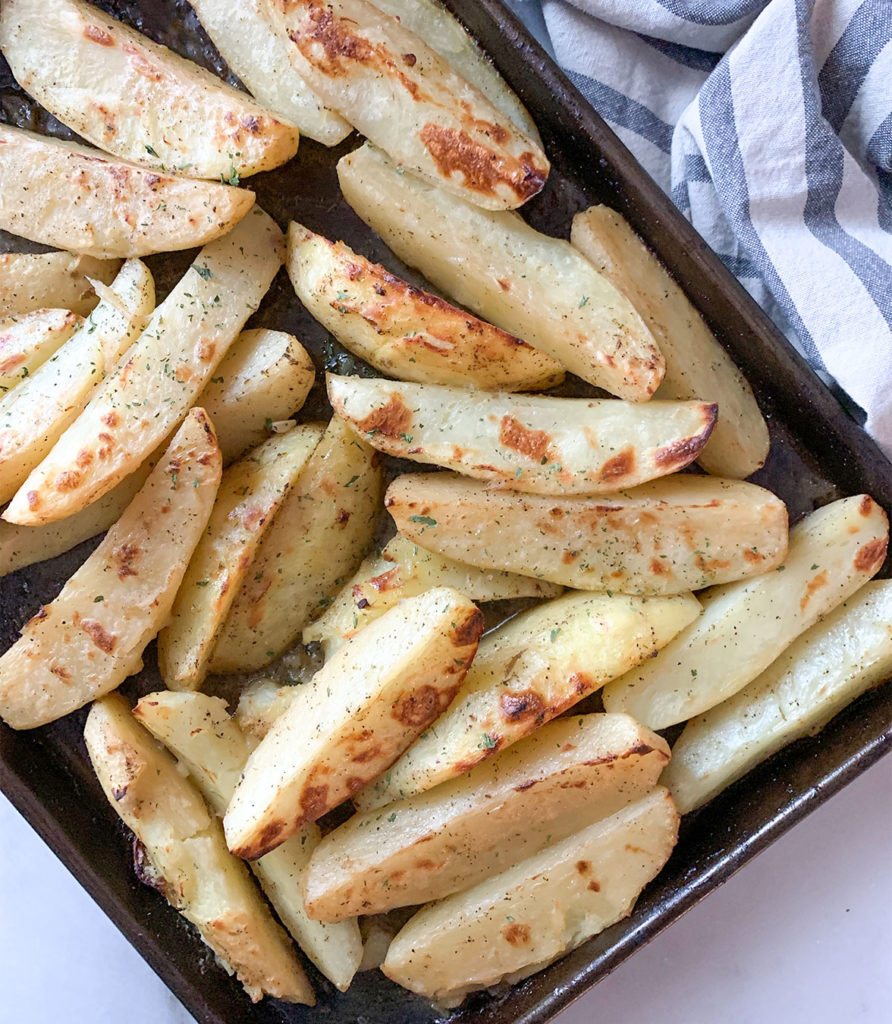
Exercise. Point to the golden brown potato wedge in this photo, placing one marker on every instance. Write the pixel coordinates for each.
(251, 492)
(537, 910)
(39, 281)
(524, 443)
(206, 741)
(537, 287)
(826, 668)
(135, 408)
(73, 197)
(568, 774)
(444, 33)
(259, 56)
(404, 569)
(186, 855)
(29, 339)
(697, 367)
(387, 82)
(406, 332)
(746, 625)
(264, 379)
(87, 641)
(664, 537)
(527, 672)
(135, 99)
(317, 539)
(36, 413)
(354, 718)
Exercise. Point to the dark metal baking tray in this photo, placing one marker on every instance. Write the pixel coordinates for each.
(818, 453)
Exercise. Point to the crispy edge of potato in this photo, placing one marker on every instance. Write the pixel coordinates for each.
(185, 848)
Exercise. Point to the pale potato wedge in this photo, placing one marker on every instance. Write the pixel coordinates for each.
(404, 97)
(92, 636)
(205, 740)
(826, 668)
(35, 414)
(39, 281)
(746, 625)
(317, 539)
(354, 718)
(537, 287)
(73, 197)
(260, 704)
(531, 669)
(533, 444)
(404, 569)
(681, 533)
(187, 856)
(512, 925)
(235, 409)
(29, 339)
(136, 99)
(697, 367)
(442, 32)
(568, 774)
(135, 408)
(264, 379)
(259, 56)
(251, 492)
(406, 332)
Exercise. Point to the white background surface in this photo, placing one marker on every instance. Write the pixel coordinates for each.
(802, 934)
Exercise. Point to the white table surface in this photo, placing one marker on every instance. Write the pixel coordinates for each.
(802, 934)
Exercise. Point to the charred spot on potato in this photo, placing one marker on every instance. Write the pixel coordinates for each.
(41, 613)
(125, 556)
(594, 886)
(524, 786)
(100, 636)
(313, 802)
(390, 420)
(532, 443)
(583, 867)
(333, 35)
(98, 35)
(342, 517)
(871, 556)
(865, 506)
(419, 708)
(386, 580)
(527, 706)
(67, 480)
(469, 631)
(622, 464)
(61, 673)
(369, 754)
(516, 934)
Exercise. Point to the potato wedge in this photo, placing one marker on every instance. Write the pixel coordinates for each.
(28, 340)
(135, 408)
(537, 910)
(87, 641)
(697, 367)
(136, 99)
(261, 703)
(532, 444)
(35, 414)
(235, 409)
(404, 97)
(317, 539)
(264, 378)
(30, 282)
(403, 331)
(826, 668)
(664, 537)
(570, 773)
(444, 33)
(746, 625)
(251, 492)
(72, 197)
(187, 856)
(259, 56)
(537, 287)
(527, 672)
(354, 718)
(206, 741)
(404, 569)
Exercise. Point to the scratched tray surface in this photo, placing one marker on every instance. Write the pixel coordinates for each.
(818, 454)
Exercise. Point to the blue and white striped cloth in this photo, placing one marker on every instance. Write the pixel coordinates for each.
(769, 122)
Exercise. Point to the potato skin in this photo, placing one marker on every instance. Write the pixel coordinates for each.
(71, 197)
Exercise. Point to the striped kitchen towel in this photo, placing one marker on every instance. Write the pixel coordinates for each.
(769, 122)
